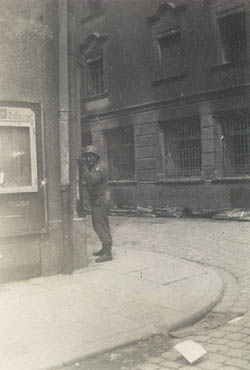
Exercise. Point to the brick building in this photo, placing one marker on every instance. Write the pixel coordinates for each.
(165, 97)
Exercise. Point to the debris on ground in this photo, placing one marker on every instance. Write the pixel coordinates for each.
(123, 212)
(185, 212)
(145, 211)
(191, 350)
(235, 320)
(181, 333)
(233, 214)
(205, 213)
(114, 356)
(168, 212)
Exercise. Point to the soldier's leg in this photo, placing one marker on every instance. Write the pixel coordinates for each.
(102, 227)
(94, 216)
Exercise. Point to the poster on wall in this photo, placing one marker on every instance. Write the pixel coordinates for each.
(18, 162)
(22, 208)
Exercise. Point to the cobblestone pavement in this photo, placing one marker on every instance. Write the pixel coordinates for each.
(225, 245)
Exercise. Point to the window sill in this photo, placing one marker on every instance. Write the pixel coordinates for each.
(231, 179)
(195, 180)
(96, 97)
(122, 182)
(229, 65)
(169, 78)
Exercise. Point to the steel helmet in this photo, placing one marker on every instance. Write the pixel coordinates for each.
(91, 149)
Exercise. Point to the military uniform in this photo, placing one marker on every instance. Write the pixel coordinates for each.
(96, 179)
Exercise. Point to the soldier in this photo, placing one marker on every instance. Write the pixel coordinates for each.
(96, 176)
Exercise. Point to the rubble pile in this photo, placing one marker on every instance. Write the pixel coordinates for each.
(168, 212)
(233, 214)
(177, 212)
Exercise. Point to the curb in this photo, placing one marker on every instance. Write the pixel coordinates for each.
(214, 299)
(211, 299)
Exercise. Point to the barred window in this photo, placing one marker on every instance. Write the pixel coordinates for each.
(121, 159)
(95, 77)
(232, 32)
(183, 149)
(236, 145)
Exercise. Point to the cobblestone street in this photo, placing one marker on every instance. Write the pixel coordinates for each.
(221, 244)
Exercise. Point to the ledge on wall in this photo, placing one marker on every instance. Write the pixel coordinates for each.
(169, 78)
(180, 181)
(231, 179)
(123, 182)
(224, 66)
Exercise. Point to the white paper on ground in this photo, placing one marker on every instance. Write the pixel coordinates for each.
(236, 319)
(191, 350)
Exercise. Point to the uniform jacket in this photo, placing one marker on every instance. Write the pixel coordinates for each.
(97, 181)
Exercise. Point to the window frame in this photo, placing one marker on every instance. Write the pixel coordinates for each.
(108, 134)
(222, 11)
(180, 173)
(168, 19)
(91, 50)
(231, 138)
(88, 77)
(169, 35)
(223, 59)
(33, 187)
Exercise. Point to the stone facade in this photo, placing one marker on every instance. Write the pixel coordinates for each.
(169, 66)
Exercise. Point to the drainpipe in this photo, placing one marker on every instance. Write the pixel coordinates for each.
(64, 135)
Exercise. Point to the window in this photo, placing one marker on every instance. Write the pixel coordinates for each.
(232, 33)
(183, 149)
(236, 144)
(95, 77)
(168, 24)
(18, 167)
(169, 54)
(120, 150)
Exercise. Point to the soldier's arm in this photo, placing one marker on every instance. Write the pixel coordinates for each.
(96, 176)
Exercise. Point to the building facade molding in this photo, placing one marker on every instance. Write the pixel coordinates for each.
(169, 103)
(169, 6)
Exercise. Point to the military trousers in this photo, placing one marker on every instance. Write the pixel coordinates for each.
(100, 222)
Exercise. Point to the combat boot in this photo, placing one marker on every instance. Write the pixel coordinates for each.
(101, 252)
(105, 257)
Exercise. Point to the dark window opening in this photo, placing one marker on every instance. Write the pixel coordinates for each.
(86, 138)
(95, 77)
(236, 145)
(170, 54)
(183, 149)
(233, 38)
(120, 150)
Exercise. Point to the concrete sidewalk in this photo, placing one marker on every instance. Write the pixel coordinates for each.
(49, 321)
